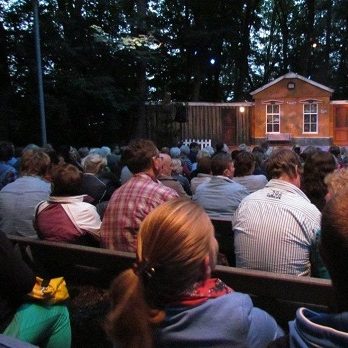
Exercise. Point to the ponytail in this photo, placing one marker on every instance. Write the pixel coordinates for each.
(130, 322)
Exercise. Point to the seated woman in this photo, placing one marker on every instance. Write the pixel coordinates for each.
(170, 300)
(41, 325)
(97, 182)
(65, 217)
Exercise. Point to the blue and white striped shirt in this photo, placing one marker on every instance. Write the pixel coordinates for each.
(274, 229)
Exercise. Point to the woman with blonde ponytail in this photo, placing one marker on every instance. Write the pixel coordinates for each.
(169, 298)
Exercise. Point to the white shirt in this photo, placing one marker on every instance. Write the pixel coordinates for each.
(274, 229)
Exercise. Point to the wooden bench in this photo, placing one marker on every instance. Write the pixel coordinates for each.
(279, 294)
(224, 236)
(279, 137)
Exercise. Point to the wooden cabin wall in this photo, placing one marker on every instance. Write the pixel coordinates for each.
(219, 122)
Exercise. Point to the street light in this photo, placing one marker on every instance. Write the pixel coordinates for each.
(39, 72)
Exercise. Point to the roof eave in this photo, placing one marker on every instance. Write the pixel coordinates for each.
(292, 75)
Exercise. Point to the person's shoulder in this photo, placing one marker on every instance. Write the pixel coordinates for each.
(165, 191)
(235, 299)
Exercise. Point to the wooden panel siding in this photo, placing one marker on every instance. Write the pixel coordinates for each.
(204, 121)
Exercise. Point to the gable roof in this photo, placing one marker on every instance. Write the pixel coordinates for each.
(291, 75)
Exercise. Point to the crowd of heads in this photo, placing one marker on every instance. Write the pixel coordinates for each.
(176, 247)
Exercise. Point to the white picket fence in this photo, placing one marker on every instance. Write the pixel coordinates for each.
(202, 142)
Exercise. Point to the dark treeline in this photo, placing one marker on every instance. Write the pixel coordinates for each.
(103, 59)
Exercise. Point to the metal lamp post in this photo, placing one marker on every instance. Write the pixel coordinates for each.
(39, 72)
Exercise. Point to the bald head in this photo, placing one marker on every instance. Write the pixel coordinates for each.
(166, 164)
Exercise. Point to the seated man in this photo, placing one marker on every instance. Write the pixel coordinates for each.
(275, 227)
(244, 167)
(220, 196)
(166, 177)
(19, 198)
(312, 329)
(203, 173)
(131, 203)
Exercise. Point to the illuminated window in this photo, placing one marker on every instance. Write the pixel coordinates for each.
(310, 118)
(273, 118)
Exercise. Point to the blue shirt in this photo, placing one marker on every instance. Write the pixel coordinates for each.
(220, 197)
(313, 329)
(227, 321)
(18, 201)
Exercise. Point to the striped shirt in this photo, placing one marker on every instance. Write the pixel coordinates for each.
(128, 207)
(274, 229)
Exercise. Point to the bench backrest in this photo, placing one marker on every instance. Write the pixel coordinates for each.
(279, 294)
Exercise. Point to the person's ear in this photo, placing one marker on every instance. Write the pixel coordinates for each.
(226, 172)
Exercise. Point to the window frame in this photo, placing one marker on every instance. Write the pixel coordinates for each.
(272, 114)
(310, 114)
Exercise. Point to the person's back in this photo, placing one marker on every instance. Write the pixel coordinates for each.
(315, 329)
(244, 167)
(166, 177)
(8, 173)
(130, 203)
(203, 173)
(220, 196)
(170, 300)
(274, 228)
(19, 198)
(65, 217)
(316, 167)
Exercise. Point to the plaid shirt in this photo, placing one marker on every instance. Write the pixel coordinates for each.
(128, 207)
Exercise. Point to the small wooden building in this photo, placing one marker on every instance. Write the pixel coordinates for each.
(298, 108)
(219, 122)
(290, 109)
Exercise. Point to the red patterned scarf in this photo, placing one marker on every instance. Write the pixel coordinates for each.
(203, 291)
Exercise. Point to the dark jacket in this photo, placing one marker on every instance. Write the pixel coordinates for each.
(16, 280)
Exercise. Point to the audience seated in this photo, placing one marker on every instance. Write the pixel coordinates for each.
(170, 300)
(19, 198)
(69, 154)
(166, 177)
(316, 167)
(65, 217)
(336, 152)
(47, 326)
(130, 203)
(177, 171)
(91, 185)
(7, 172)
(336, 182)
(220, 196)
(313, 329)
(203, 173)
(244, 165)
(275, 227)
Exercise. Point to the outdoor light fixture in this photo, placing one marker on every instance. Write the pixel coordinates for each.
(291, 85)
(241, 109)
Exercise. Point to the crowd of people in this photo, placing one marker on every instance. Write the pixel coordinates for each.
(285, 208)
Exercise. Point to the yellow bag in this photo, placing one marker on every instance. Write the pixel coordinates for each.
(49, 290)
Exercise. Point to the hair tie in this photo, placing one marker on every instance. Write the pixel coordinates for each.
(144, 269)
